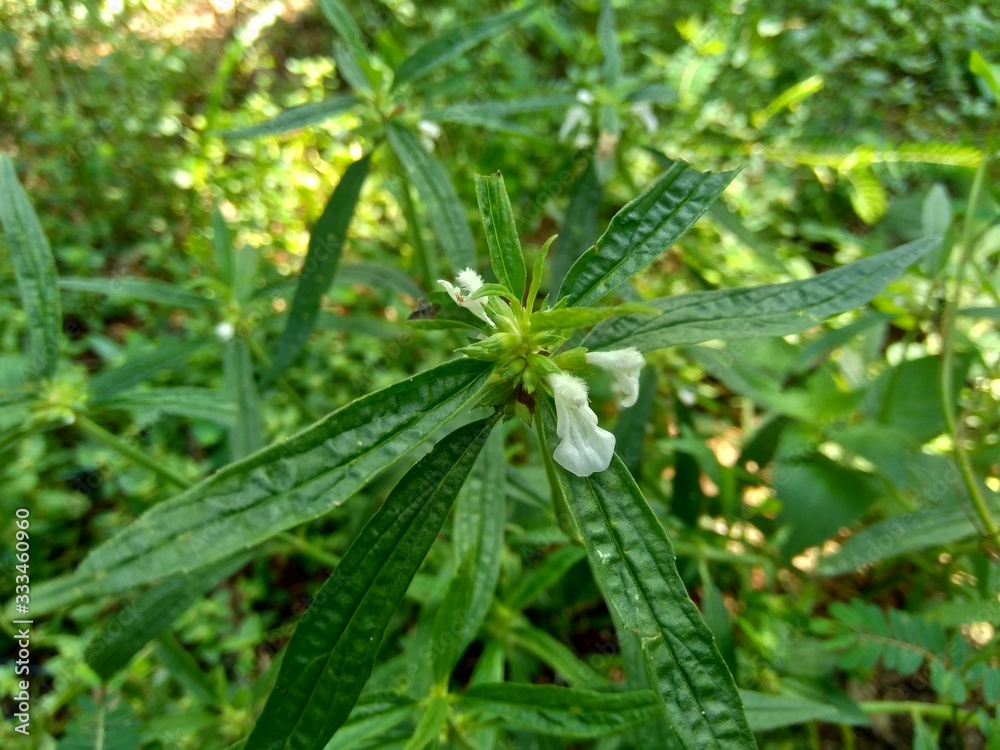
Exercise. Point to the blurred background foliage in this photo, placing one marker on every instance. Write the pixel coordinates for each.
(808, 481)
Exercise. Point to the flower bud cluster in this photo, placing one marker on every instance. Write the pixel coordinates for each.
(524, 365)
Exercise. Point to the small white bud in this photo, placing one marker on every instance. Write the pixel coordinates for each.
(225, 331)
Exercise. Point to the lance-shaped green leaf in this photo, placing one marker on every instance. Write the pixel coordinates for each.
(349, 67)
(148, 615)
(634, 561)
(478, 537)
(326, 241)
(35, 269)
(371, 719)
(282, 486)
(296, 117)
(378, 276)
(642, 230)
(501, 233)
(562, 711)
(222, 244)
(246, 433)
(332, 651)
(444, 210)
(934, 526)
(581, 317)
(196, 403)
(343, 22)
(766, 712)
(767, 310)
(454, 43)
(579, 227)
(148, 290)
(979, 66)
(492, 114)
(607, 38)
(140, 369)
(431, 723)
(549, 572)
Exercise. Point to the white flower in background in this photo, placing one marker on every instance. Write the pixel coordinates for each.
(625, 365)
(644, 112)
(225, 331)
(578, 116)
(429, 133)
(468, 282)
(584, 448)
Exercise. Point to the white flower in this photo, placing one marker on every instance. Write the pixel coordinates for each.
(644, 112)
(625, 365)
(429, 133)
(584, 448)
(468, 282)
(576, 117)
(224, 331)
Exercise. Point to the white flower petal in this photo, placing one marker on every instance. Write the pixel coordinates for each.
(468, 282)
(625, 365)
(584, 448)
(644, 112)
(225, 331)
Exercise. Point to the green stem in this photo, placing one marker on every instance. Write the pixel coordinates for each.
(935, 710)
(989, 525)
(309, 549)
(114, 442)
(287, 388)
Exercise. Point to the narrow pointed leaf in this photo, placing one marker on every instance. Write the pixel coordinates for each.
(934, 526)
(148, 290)
(632, 557)
(196, 403)
(378, 276)
(579, 227)
(542, 578)
(479, 519)
(326, 241)
(282, 486)
(501, 233)
(35, 269)
(558, 656)
(493, 113)
(332, 651)
(766, 712)
(454, 43)
(222, 244)
(444, 210)
(296, 118)
(607, 38)
(246, 435)
(581, 317)
(139, 621)
(642, 230)
(344, 23)
(142, 368)
(563, 711)
(430, 725)
(349, 67)
(767, 310)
